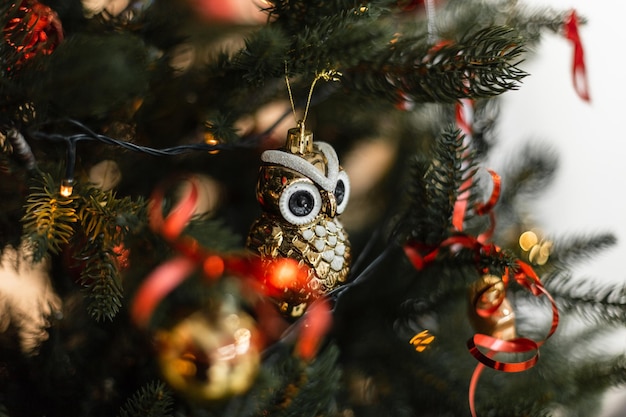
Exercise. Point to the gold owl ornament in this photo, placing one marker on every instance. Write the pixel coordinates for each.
(302, 189)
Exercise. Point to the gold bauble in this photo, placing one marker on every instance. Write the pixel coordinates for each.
(212, 354)
(490, 312)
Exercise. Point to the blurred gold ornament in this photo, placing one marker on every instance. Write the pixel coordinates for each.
(490, 312)
(212, 354)
(301, 190)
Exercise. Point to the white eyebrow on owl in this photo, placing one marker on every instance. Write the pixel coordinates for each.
(305, 168)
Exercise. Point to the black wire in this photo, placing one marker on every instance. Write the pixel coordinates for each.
(247, 142)
(91, 135)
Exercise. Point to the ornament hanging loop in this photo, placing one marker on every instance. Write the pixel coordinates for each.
(300, 140)
(326, 75)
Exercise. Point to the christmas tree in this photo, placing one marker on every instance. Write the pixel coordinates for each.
(282, 209)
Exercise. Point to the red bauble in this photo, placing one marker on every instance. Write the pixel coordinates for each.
(34, 29)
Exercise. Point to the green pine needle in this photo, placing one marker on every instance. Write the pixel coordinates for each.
(153, 400)
(49, 218)
(434, 189)
(104, 215)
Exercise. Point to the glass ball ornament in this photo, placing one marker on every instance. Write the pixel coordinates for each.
(213, 353)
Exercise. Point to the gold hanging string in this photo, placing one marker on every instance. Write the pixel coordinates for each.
(326, 75)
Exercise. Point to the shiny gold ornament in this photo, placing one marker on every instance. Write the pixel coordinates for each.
(212, 354)
(490, 312)
(301, 190)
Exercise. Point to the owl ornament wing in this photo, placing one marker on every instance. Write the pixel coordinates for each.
(301, 190)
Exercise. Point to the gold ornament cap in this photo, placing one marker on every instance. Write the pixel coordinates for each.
(299, 140)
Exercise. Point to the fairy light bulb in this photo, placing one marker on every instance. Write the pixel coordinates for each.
(67, 187)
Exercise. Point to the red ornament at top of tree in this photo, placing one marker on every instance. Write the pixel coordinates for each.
(34, 29)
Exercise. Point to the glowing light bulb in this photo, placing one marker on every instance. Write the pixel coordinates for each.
(67, 186)
(422, 340)
(209, 139)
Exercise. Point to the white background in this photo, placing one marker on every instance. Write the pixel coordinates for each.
(589, 138)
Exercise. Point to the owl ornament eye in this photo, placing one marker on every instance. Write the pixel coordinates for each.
(301, 189)
(300, 203)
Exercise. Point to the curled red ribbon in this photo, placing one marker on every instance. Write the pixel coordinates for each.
(460, 207)
(526, 277)
(420, 255)
(159, 283)
(579, 72)
(166, 277)
(173, 225)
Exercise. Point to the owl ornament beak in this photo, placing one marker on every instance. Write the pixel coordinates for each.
(302, 189)
(329, 204)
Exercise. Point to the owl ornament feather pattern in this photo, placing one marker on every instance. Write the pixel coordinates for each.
(302, 189)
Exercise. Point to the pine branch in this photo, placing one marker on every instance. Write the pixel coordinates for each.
(598, 375)
(293, 16)
(458, 16)
(339, 42)
(103, 216)
(287, 387)
(213, 234)
(531, 170)
(100, 276)
(153, 400)
(484, 126)
(49, 218)
(434, 189)
(571, 250)
(481, 65)
(532, 22)
(264, 55)
(315, 390)
(116, 66)
(105, 221)
(599, 304)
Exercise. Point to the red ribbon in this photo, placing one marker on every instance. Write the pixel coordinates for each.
(421, 255)
(463, 112)
(460, 207)
(155, 288)
(579, 73)
(166, 277)
(527, 278)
